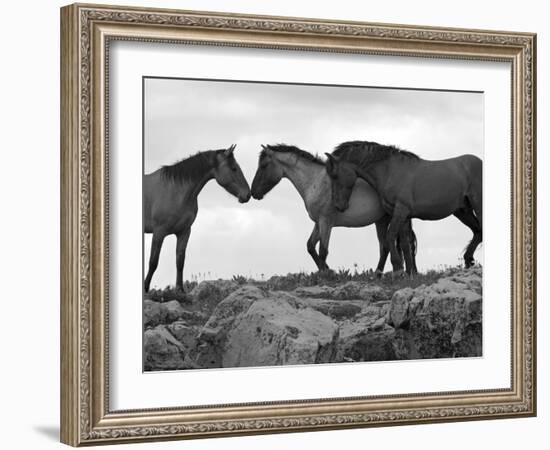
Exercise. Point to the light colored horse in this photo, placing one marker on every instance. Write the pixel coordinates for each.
(308, 175)
(410, 187)
(170, 200)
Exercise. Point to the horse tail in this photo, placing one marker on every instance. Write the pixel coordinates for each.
(413, 241)
(399, 248)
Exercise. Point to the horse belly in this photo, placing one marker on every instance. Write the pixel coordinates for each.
(439, 190)
(439, 206)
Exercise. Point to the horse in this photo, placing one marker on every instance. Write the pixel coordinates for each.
(410, 187)
(170, 200)
(307, 173)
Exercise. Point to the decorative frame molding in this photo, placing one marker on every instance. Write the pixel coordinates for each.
(86, 31)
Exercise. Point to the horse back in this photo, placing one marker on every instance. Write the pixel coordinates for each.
(166, 204)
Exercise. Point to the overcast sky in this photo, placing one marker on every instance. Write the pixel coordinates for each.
(269, 236)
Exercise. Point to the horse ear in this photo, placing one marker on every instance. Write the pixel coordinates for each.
(230, 150)
(266, 148)
(331, 159)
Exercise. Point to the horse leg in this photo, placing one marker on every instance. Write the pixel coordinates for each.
(156, 245)
(467, 217)
(404, 243)
(399, 217)
(381, 233)
(324, 234)
(181, 246)
(476, 201)
(408, 230)
(311, 243)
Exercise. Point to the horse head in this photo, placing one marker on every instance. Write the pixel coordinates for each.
(268, 174)
(342, 176)
(229, 175)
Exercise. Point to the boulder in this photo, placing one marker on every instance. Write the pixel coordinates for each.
(162, 351)
(155, 313)
(351, 290)
(185, 334)
(348, 291)
(280, 330)
(314, 292)
(213, 336)
(439, 321)
(367, 337)
(336, 309)
(373, 293)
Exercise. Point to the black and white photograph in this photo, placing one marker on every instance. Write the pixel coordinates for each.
(290, 224)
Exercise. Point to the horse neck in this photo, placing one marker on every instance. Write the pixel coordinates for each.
(301, 173)
(191, 188)
(201, 182)
(374, 174)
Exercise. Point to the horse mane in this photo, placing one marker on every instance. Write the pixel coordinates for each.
(191, 168)
(366, 152)
(284, 148)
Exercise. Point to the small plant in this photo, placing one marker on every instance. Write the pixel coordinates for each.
(240, 279)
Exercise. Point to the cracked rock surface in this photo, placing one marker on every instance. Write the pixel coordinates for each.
(226, 324)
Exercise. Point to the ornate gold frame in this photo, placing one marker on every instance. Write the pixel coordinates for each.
(86, 31)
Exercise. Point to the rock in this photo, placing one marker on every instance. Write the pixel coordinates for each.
(372, 293)
(314, 292)
(440, 320)
(173, 310)
(184, 333)
(210, 293)
(367, 338)
(351, 290)
(399, 309)
(155, 313)
(278, 331)
(379, 324)
(162, 351)
(356, 321)
(348, 291)
(336, 309)
(213, 336)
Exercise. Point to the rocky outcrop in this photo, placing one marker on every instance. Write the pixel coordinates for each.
(442, 320)
(212, 338)
(227, 325)
(352, 290)
(163, 351)
(155, 313)
(368, 337)
(280, 330)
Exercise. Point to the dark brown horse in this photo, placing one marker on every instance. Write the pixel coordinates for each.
(170, 200)
(307, 174)
(411, 187)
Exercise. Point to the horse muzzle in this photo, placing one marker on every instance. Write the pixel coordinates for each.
(244, 198)
(257, 196)
(341, 208)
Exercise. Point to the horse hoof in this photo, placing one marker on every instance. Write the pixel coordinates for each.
(378, 274)
(398, 274)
